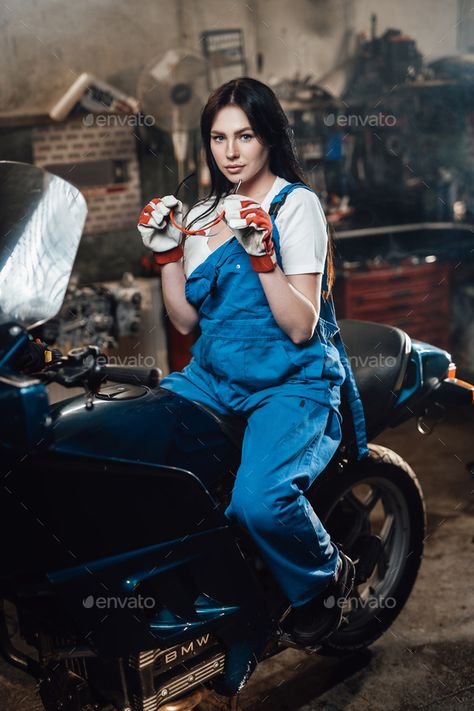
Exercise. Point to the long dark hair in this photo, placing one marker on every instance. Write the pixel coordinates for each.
(270, 124)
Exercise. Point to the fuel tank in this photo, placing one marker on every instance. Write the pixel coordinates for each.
(151, 426)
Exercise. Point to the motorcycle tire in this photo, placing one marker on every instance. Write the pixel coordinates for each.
(386, 472)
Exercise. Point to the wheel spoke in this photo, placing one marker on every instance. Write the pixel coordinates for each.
(365, 506)
(386, 535)
(356, 504)
(371, 500)
(382, 564)
(387, 530)
(360, 519)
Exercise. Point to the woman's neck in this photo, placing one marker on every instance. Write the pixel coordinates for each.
(258, 186)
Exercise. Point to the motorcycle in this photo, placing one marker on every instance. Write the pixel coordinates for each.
(130, 588)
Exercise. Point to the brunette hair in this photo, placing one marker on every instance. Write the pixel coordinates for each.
(271, 126)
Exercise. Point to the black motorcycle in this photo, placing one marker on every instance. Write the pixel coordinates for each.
(131, 589)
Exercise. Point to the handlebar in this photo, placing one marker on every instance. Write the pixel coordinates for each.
(87, 367)
(149, 377)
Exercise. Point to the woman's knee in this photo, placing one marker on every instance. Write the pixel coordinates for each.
(257, 513)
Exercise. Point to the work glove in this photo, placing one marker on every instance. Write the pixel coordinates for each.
(252, 227)
(158, 234)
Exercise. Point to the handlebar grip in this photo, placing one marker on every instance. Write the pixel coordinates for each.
(131, 375)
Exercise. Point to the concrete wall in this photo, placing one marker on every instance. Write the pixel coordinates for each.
(45, 44)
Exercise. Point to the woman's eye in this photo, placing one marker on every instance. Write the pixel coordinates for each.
(218, 138)
(247, 136)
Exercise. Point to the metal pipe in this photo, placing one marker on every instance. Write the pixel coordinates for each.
(188, 703)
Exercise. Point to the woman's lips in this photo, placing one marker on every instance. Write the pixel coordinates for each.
(235, 169)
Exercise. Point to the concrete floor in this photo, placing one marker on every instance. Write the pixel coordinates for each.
(426, 659)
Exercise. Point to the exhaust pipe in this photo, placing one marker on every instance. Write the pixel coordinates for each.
(188, 703)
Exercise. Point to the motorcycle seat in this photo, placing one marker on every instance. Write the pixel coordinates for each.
(378, 355)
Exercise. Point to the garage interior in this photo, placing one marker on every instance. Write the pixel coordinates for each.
(380, 97)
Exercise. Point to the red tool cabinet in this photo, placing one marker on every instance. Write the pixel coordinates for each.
(415, 298)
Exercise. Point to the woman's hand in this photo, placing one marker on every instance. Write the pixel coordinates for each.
(157, 231)
(252, 227)
(165, 240)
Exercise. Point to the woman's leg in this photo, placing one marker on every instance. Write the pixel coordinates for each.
(289, 440)
(194, 383)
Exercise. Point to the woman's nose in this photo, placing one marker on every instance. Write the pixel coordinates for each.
(231, 151)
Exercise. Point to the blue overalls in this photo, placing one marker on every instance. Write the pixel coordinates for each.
(244, 363)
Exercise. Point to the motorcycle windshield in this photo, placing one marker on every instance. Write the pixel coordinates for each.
(41, 222)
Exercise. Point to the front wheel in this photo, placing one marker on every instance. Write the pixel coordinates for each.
(376, 504)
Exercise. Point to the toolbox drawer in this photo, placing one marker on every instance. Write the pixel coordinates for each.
(393, 305)
(401, 274)
(414, 298)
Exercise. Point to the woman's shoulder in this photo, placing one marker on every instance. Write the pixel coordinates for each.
(301, 193)
(301, 200)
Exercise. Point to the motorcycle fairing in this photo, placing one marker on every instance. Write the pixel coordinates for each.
(131, 531)
(158, 427)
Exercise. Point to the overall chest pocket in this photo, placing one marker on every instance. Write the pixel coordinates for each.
(198, 285)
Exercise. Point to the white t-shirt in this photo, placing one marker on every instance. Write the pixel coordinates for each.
(301, 225)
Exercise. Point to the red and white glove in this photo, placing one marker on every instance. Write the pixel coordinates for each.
(157, 231)
(252, 227)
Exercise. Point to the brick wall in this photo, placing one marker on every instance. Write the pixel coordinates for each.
(111, 205)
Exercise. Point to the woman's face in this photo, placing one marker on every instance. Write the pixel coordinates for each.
(234, 143)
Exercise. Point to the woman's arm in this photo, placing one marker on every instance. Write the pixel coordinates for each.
(294, 298)
(294, 302)
(303, 247)
(183, 315)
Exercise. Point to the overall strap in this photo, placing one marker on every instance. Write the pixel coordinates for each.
(278, 202)
(324, 282)
(279, 199)
(353, 399)
(349, 387)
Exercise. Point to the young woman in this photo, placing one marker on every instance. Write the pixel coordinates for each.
(255, 282)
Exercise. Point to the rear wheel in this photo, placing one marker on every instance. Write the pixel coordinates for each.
(373, 508)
